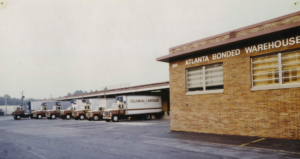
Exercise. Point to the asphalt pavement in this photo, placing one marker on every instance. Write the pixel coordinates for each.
(75, 139)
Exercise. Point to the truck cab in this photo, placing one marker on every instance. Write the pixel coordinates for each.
(55, 112)
(81, 113)
(95, 114)
(67, 114)
(22, 112)
(39, 114)
(116, 112)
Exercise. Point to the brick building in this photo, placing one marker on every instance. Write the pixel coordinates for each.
(242, 82)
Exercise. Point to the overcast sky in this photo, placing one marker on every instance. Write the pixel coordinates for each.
(59, 46)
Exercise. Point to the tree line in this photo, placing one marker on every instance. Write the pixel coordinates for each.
(81, 92)
(14, 101)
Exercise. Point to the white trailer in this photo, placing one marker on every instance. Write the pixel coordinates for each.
(35, 105)
(134, 105)
(93, 102)
(64, 104)
(106, 102)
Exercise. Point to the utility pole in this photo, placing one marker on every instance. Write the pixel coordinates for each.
(5, 107)
(22, 98)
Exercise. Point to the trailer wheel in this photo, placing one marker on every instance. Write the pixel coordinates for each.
(53, 116)
(68, 117)
(39, 116)
(81, 117)
(115, 118)
(96, 117)
(147, 116)
(107, 120)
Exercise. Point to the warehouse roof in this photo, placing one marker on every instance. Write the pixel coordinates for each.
(259, 29)
(140, 88)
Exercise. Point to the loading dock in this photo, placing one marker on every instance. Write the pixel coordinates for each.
(157, 89)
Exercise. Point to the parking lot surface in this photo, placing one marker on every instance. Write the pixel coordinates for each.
(68, 139)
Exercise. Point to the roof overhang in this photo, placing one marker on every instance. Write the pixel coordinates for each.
(142, 88)
(183, 53)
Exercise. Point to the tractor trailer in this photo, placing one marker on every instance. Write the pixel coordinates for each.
(39, 114)
(97, 112)
(67, 113)
(133, 105)
(55, 112)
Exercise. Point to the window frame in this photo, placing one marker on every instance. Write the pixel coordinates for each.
(280, 85)
(204, 91)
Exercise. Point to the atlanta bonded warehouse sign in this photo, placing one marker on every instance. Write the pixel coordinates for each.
(249, 49)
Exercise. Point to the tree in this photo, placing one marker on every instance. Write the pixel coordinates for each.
(91, 91)
(69, 94)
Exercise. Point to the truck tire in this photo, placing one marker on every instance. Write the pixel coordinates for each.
(17, 117)
(39, 116)
(68, 116)
(115, 118)
(96, 117)
(81, 117)
(53, 116)
(147, 117)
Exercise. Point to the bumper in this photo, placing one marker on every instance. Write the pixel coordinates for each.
(106, 117)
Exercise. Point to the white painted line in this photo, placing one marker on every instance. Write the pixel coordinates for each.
(38, 155)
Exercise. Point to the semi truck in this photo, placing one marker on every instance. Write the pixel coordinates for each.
(22, 112)
(67, 114)
(83, 108)
(39, 114)
(133, 105)
(55, 112)
(97, 112)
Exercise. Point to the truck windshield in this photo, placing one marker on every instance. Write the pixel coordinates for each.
(114, 106)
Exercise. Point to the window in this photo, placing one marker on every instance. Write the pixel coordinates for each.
(276, 71)
(205, 78)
